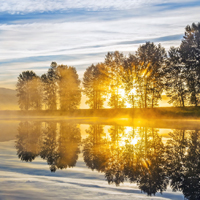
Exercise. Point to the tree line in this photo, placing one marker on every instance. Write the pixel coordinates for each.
(137, 80)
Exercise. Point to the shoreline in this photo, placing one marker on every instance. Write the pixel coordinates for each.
(146, 113)
(171, 118)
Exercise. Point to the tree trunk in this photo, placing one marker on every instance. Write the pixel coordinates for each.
(182, 99)
(152, 99)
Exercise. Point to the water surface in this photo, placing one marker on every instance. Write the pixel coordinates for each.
(93, 159)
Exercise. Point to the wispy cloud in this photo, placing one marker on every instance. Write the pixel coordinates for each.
(21, 7)
(79, 33)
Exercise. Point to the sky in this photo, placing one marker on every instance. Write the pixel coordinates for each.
(33, 33)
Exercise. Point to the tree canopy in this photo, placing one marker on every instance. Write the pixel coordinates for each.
(29, 91)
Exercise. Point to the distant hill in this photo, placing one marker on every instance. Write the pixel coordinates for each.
(8, 99)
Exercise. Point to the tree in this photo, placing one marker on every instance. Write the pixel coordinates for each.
(151, 59)
(94, 82)
(175, 78)
(68, 87)
(50, 87)
(190, 54)
(114, 62)
(29, 91)
(132, 80)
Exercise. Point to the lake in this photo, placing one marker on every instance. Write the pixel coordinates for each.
(99, 158)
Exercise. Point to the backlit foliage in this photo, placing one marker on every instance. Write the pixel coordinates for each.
(135, 81)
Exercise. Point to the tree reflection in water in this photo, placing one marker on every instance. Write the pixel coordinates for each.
(121, 159)
(95, 157)
(28, 140)
(183, 162)
(49, 145)
(121, 153)
(58, 143)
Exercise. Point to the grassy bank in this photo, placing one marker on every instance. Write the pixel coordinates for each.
(161, 112)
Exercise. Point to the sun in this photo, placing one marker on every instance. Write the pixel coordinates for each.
(123, 94)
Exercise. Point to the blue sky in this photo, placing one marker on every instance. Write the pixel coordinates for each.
(33, 33)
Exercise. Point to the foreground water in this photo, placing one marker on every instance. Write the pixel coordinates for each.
(99, 159)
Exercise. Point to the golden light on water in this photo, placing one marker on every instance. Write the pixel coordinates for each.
(129, 136)
(134, 141)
